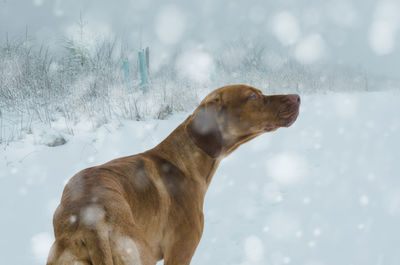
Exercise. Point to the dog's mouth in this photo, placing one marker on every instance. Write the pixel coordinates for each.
(288, 116)
(291, 120)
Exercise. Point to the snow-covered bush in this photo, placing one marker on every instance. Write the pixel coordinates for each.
(79, 81)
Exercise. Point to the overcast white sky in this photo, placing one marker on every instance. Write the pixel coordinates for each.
(363, 33)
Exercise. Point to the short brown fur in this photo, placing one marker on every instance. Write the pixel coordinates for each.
(143, 208)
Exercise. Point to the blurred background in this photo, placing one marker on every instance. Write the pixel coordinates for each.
(358, 33)
(85, 55)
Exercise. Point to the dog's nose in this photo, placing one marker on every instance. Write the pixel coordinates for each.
(294, 98)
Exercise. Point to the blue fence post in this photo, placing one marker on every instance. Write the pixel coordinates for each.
(147, 51)
(127, 75)
(143, 71)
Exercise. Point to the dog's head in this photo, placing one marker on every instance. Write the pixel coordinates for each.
(233, 115)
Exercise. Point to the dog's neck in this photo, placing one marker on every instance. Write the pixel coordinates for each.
(179, 149)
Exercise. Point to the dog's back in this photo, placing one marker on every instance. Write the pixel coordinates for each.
(108, 213)
(99, 206)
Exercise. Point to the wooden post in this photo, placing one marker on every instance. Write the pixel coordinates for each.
(125, 65)
(143, 71)
(148, 60)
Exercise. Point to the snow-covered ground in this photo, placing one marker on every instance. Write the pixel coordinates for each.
(325, 191)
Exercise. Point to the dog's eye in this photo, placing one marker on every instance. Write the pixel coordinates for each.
(254, 96)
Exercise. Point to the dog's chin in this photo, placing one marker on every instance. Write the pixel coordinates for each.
(270, 129)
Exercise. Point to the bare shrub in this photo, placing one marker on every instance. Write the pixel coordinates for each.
(40, 85)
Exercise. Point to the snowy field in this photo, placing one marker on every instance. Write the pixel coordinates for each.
(325, 191)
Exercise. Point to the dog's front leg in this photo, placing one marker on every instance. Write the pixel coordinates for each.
(183, 241)
(181, 252)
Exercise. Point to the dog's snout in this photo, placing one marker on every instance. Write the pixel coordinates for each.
(294, 98)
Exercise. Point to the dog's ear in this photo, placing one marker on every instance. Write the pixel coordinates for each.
(204, 130)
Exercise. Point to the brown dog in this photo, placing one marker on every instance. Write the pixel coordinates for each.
(147, 207)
